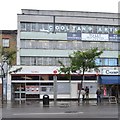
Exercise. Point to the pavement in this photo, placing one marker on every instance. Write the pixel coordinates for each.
(60, 109)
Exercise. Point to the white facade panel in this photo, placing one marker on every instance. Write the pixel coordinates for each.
(61, 53)
(39, 35)
(35, 18)
(109, 54)
(52, 53)
(74, 90)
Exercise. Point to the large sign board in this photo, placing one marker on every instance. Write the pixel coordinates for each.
(95, 37)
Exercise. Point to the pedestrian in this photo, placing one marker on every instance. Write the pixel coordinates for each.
(113, 91)
(83, 94)
(98, 93)
(87, 92)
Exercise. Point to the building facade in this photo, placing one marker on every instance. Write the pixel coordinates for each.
(8, 42)
(46, 36)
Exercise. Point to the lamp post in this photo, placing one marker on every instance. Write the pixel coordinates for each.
(55, 86)
(97, 75)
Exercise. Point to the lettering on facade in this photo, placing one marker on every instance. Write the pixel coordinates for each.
(69, 28)
(34, 72)
(112, 72)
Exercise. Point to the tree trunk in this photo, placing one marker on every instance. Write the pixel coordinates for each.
(81, 86)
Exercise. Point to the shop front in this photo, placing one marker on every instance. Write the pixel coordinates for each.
(110, 85)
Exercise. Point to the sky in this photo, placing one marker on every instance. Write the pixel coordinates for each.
(10, 8)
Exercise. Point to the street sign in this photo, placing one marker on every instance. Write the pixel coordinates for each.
(55, 71)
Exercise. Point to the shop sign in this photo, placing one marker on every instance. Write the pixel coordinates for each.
(95, 37)
(73, 36)
(114, 37)
(111, 72)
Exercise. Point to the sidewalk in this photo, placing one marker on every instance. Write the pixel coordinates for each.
(62, 103)
(63, 109)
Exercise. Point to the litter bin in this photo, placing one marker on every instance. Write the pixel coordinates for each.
(45, 100)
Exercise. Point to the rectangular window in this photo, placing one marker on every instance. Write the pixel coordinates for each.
(112, 62)
(28, 27)
(23, 26)
(33, 26)
(106, 62)
(5, 42)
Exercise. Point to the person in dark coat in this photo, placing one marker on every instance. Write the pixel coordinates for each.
(87, 92)
(98, 93)
(113, 91)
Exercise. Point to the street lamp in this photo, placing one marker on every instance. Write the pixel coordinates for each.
(97, 75)
(55, 86)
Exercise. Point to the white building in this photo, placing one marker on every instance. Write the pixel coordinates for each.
(46, 36)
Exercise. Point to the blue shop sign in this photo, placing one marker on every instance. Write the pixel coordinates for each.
(114, 37)
(73, 36)
(109, 79)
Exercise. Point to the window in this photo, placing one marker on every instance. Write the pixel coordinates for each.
(112, 62)
(6, 42)
(23, 26)
(106, 61)
(28, 27)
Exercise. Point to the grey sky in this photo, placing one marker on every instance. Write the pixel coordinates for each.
(10, 8)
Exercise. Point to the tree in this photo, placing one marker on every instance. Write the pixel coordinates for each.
(81, 61)
(8, 55)
(7, 59)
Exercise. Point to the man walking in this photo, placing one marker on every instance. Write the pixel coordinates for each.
(98, 93)
(87, 92)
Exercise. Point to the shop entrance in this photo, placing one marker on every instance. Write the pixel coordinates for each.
(111, 90)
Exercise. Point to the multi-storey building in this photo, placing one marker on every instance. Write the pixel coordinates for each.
(46, 36)
(7, 43)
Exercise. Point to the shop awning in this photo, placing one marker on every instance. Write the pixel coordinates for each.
(109, 79)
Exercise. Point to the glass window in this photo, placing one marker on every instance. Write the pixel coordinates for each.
(28, 26)
(111, 29)
(78, 28)
(5, 42)
(89, 29)
(39, 27)
(50, 27)
(33, 61)
(39, 61)
(23, 26)
(33, 27)
(106, 30)
(45, 44)
(116, 29)
(106, 62)
(57, 27)
(99, 29)
(45, 27)
(98, 61)
(112, 62)
(83, 29)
